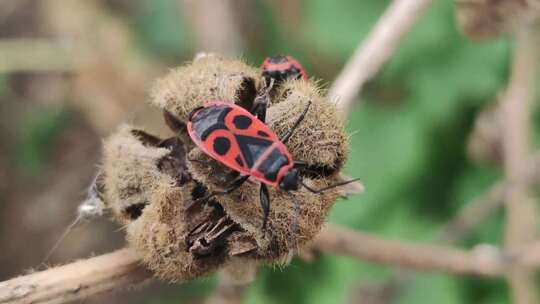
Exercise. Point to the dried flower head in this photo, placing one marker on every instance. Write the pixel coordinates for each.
(153, 185)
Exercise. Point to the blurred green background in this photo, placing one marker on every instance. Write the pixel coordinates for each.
(409, 132)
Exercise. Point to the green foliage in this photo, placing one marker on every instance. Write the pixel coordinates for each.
(161, 27)
(39, 132)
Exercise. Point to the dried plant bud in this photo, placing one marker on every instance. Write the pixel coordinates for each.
(480, 19)
(130, 172)
(320, 140)
(154, 186)
(166, 237)
(484, 144)
(208, 78)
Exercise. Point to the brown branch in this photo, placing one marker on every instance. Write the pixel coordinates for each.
(363, 246)
(381, 43)
(75, 281)
(516, 107)
(121, 268)
(234, 280)
(215, 26)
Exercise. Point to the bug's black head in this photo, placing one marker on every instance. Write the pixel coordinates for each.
(290, 180)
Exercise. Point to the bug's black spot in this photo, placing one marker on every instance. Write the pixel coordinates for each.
(242, 122)
(222, 145)
(263, 134)
(239, 161)
(209, 119)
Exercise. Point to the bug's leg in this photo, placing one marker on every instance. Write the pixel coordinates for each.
(287, 135)
(233, 186)
(265, 204)
(175, 124)
(300, 164)
(261, 102)
(318, 191)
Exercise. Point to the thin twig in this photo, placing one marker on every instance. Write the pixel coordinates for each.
(372, 53)
(341, 241)
(75, 281)
(520, 206)
(215, 26)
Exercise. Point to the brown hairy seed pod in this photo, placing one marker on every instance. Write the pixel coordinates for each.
(176, 242)
(206, 79)
(130, 171)
(481, 19)
(162, 234)
(151, 184)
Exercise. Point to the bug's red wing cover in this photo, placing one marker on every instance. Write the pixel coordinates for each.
(231, 135)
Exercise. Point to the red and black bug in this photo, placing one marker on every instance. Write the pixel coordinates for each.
(281, 67)
(240, 140)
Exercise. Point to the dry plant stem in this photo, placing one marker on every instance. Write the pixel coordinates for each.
(520, 206)
(341, 241)
(215, 26)
(234, 280)
(121, 268)
(376, 50)
(75, 281)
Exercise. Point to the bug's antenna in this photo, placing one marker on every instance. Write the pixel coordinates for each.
(312, 190)
(91, 207)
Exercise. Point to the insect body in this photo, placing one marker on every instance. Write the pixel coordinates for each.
(239, 140)
(242, 141)
(281, 68)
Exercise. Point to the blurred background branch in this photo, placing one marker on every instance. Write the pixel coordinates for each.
(376, 49)
(522, 222)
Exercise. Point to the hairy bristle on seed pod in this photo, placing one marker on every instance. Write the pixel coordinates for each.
(161, 236)
(130, 171)
(209, 78)
(154, 185)
(320, 140)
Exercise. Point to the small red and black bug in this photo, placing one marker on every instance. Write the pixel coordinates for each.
(241, 140)
(281, 67)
